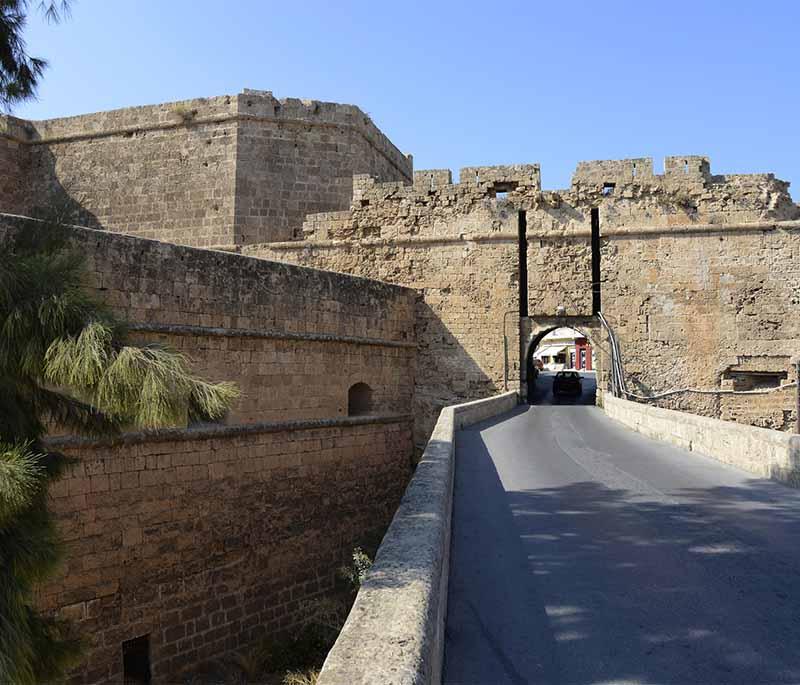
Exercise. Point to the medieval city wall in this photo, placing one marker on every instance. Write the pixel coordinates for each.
(206, 172)
(205, 537)
(699, 278)
(698, 271)
(13, 166)
(163, 171)
(297, 157)
(207, 543)
(457, 245)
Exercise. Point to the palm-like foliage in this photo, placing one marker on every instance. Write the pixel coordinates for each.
(64, 362)
(19, 72)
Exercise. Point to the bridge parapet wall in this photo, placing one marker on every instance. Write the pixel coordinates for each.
(761, 451)
(395, 631)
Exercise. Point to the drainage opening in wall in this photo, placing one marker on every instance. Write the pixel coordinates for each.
(136, 660)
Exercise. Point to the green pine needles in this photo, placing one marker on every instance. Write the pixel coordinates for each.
(65, 363)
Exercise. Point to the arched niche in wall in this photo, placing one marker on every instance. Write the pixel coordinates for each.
(359, 399)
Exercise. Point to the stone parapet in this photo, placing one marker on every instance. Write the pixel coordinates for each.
(761, 451)
(395, 632)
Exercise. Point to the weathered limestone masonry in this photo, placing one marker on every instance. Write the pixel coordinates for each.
(700, 273)
(204, 537)
(13, 165)
(207, 537)
(457, 244)
(219, 171)
(701, 280)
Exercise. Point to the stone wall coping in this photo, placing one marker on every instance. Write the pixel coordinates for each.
(508, 236)
(762, 451)
(215, 110)
(360, 282)
(213, 331)
(394, 634)
(212, 431)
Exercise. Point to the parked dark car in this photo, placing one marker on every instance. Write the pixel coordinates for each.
(567, 383)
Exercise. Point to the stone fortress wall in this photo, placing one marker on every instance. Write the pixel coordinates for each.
(700, 275)
(457, 245)
(206, 537)
(215, 171)
(236, 523)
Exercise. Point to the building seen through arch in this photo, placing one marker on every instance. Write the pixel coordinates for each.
(564, 348)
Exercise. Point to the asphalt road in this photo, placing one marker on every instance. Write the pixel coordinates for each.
(585, 553)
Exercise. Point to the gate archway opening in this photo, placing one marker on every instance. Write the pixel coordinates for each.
(565, 352)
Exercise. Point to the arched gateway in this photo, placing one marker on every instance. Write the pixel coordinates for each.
(536, 328)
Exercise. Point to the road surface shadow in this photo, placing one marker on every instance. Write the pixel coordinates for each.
(586, 584)
(494, 616)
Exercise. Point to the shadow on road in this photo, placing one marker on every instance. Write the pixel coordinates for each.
(586, 584)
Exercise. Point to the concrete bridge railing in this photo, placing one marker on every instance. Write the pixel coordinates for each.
(394, 634)
(761, 451)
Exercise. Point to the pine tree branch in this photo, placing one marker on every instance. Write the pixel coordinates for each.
(73, 414)
(22, 477)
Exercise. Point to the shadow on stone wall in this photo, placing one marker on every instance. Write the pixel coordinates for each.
(52, 198)
(446, 373)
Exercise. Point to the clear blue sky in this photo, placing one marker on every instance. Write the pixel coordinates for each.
(464, 83)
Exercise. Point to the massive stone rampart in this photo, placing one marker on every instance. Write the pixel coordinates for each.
(235, 523)
(219, 171)
(698, 271)
(206, 541)
(205, 538)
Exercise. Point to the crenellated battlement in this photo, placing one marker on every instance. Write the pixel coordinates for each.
(678, 169)
(486, 198)
(503, 178)
(250, 168)
(484, 181)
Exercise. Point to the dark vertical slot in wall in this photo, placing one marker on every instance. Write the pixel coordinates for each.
(595, 260)
(522, 228)
(136, 661)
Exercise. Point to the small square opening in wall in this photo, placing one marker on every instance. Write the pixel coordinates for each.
(757, 380)
(136, 660)
(501, 189)
(608, 188)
